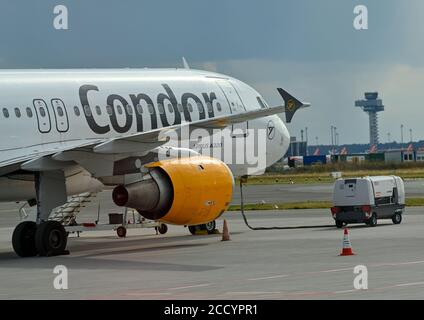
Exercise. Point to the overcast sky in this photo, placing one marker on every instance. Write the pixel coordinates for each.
(309, 47)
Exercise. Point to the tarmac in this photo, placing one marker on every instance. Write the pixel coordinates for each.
(278, 264)
(279, 193)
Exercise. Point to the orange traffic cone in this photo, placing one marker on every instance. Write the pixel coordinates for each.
(225, 232)
(347, 246)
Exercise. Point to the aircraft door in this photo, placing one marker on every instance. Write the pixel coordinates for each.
(43, 116)
(235, 105)
(60, 115)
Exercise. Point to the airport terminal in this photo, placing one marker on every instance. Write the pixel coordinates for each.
(227, 171)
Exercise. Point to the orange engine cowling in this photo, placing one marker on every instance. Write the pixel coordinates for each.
(187, 191)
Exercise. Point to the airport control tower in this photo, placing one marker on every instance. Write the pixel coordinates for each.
(371, 105)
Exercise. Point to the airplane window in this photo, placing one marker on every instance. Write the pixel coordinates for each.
(200, 106)
(161, 108)
(109, 110)
(190, 107)
(261, 103)
(77, 111)
(60, 111)
(98, 110)
(17, 112)
(218, 106)
(139, 109)
(180, 107)
(6, 113)
(209, 106)
(87, 111)
(170, 108)
(129, 109)
(29, 112)
(42, 112)
(119, 108)
(151, 110)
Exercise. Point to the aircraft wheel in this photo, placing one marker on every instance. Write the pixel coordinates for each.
(51, 239)
(163, 228)
(23, 239)
(121, 232)
(192, 229)
(210, 227)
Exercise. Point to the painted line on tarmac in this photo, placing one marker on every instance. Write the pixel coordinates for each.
(397, 264)
(189, 287)
(252, 292)
(411, 284)
(335, 270)
(345, 291)
(149, 294)
(270, 277)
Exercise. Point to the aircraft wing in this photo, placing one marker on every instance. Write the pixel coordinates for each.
(145, 141)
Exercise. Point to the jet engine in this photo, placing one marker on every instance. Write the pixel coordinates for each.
(185, 191)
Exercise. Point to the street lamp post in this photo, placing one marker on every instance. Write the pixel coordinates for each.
(401, 135)
(335, 136)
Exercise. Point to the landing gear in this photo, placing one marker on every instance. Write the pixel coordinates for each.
(51, 239)
(121, 232)
(163, 228)
(44, 237)
(193, 229)
(23, 239)
(47, 239)
(209, 227)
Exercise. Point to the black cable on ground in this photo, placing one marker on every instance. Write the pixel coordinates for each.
(271, 228)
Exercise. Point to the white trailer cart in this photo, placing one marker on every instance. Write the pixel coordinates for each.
(367, 199)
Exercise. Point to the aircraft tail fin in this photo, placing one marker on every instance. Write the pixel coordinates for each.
(291, 104)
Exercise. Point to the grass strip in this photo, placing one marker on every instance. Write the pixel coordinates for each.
(410, 202)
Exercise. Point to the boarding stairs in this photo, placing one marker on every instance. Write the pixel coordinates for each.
(67, 213)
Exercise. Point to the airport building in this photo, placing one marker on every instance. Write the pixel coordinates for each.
(389, 156)
(297, 148)
(419, 155)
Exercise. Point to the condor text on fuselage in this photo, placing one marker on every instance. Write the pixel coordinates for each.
(181, 108)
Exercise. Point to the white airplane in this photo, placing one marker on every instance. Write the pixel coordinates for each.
(65, 132)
